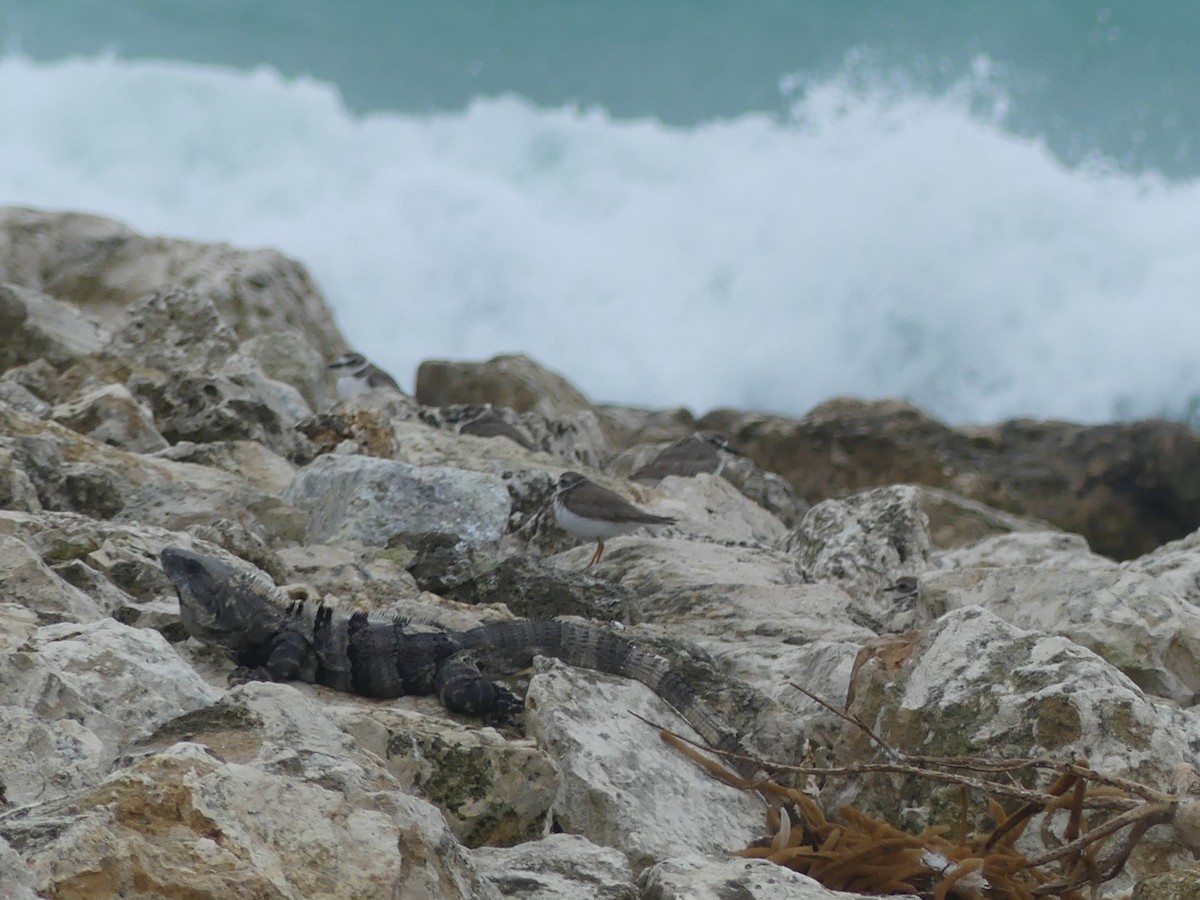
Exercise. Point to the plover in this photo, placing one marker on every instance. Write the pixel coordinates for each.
(704, 451)
(590, 512)
(355, 375)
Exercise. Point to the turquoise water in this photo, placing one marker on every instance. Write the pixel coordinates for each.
(990, 209)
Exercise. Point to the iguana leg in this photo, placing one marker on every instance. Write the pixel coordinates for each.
(288, 654)
(462, 689)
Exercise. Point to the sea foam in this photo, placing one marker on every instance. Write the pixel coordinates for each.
(875, 242)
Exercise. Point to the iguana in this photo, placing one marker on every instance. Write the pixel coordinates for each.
(275, 638)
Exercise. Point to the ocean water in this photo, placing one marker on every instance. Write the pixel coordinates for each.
(989, 209)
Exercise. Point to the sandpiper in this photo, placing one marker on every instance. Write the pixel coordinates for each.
(593, 513)
(704, 451)
(355, 375)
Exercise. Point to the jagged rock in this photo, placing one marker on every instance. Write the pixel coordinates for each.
(575, 438)
(288, 357)
(257, 463)
(112, 416)
(37, 377)
(955, 521)
(1176, 565)
(697, 877)
(865, 543)
(1131, 619)
(17, 490)
(709, 508)
(18, 396)
(211, 408)
(627, 426)
(620, 785)
(558, 867)
(34, 326)
(185, 822)
(971, 684)
(1126, 487)
(515, 381)
(529, 587)
(17, 879)
(751, 612)
(1181, 885)
(171, 330)
(369, 500)
(77, 696)
(110, 483)
(356, 579)
(493, 791)
(29, 582)
(102, 266)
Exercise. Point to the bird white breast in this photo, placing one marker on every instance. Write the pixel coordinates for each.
(589, 529)
(351, 386)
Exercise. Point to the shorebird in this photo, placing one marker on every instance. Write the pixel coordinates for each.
(590, 512)
(355, 375)
(704, 451)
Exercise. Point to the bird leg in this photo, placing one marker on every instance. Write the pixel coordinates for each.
(596, 556)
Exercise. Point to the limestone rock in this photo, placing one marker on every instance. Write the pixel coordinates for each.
(627, 426)
(493, 791)
(865, 543)
(558, 867)
(516, 382)
(171, 330)
(972, 684)
(16, 395)
(102, 266)
(106, 482)
(77, 696)
(360, 498)
(29, 582)
(709, 508)
(262, 467)
(185, 822)
(620, 785)
(1126, 487)
(1132, 620)
(34, 326)
(696, 877)
(211, 408)
(17, 881)
(288, 357)
(112, 416)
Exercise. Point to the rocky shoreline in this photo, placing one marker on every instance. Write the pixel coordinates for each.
(157, 392)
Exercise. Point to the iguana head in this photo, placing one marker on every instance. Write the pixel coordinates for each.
(219, 604)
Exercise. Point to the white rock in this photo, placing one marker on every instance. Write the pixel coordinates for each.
(1135, 621)
(364, 499)
(621, 786)
(558, 867)
(698, 877)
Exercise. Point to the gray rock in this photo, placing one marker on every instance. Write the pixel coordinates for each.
(697, 877)
(620, 785)
(972, 684)
(101, 267)
(359, 498)
(34, 326)
(1049, 583)
(865, 543)
(172, 330)
(112, 416)
(512, 381)
(558, 867)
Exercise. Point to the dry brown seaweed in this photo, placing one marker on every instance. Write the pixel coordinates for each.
(868, 855)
